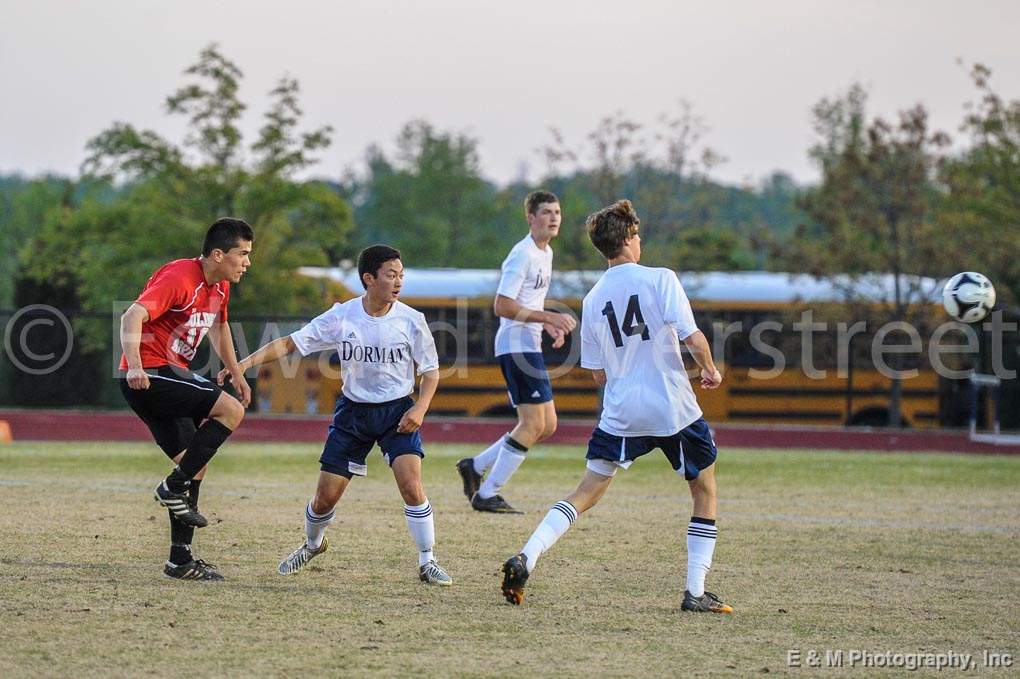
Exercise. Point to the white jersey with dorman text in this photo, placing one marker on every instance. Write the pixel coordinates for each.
(525, 277)
(631, 323)
(378, 354)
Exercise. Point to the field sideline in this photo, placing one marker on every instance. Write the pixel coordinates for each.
(817, 550)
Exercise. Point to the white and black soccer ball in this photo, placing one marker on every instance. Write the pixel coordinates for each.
(968, 296)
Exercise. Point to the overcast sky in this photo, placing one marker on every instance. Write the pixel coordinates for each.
(501, 71)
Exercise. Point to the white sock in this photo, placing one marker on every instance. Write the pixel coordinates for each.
(315, 526)
(487, 457)
(509, 459)
(423, 529)
(700, 545)
(553, 526)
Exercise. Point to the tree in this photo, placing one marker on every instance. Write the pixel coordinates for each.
(430, 199)
(615, 149)
(712, 250)
(873, 212)
(97, 250)
(664, 169)
(24, 205)
(106, 250)
(982, 202)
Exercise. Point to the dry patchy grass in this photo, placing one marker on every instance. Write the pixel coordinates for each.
(817, 550)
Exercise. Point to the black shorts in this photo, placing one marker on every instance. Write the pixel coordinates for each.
(173, 406)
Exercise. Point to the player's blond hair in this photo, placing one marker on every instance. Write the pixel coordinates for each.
(611, 226)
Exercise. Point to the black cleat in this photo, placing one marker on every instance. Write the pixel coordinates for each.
(495, 504)
(193, 570)
(706, 603)
(515, 576)
(472, 479)
(179, 505)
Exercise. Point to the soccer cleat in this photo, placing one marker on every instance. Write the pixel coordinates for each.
(706, 603)
(180, 506)
(433, 574)
(300, 556)
(472, 479)
(515, 575)
(495, 504)
(195, 569)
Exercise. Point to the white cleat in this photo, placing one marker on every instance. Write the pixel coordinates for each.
(300, 556)
(434, 575)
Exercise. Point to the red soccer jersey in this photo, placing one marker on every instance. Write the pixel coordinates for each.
(182, 308)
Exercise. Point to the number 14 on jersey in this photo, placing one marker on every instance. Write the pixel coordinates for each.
(633, 321)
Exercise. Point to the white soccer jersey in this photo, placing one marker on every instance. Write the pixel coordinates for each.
(632, 320)
(377, 353)
(525, 277)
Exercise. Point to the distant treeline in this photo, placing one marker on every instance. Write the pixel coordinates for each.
(444, 213)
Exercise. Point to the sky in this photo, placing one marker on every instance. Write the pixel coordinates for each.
(503, 72)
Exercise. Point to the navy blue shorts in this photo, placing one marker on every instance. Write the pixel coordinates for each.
(357, 427)
(526, 378)
(689, 450)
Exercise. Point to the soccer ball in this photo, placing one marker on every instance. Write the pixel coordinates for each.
(968, 296)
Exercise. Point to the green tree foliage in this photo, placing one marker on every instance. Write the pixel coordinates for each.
(24, 205)
(874, 211)
(105, 250)
(430, 200)
(713, 250)
(982, 203)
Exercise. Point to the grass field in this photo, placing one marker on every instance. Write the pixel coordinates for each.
(817, 550)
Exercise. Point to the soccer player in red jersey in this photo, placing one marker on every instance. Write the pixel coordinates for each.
(189, 416)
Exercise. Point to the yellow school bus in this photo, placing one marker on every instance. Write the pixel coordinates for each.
(755, 389)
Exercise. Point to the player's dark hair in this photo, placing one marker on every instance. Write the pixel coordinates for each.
(225, 234)
(536, 198)
(611, 226)
(373, 257)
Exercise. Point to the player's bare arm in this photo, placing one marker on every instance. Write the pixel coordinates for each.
(223, 341)
(130, 339)
(505, 307)
(273, 351)
(697, 344)
(415, 415)
(599, 376)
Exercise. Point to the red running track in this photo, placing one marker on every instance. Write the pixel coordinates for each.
(79, 425)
